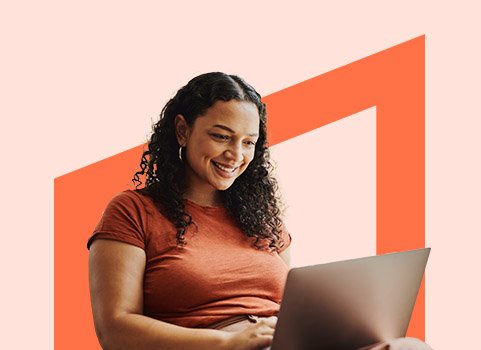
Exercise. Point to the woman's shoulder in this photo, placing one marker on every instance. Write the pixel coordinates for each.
(128, 217)
(130, 207)
(129, 196)
(134, 200)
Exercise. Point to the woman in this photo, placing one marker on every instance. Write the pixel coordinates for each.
(198, 256)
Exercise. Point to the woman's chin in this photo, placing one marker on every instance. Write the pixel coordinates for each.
(222, 183)
(223, 187)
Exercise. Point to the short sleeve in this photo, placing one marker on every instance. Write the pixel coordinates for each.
(124, 219)
(286, 238)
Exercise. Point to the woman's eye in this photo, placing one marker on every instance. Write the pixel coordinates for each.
(250, 143)
(220, 137)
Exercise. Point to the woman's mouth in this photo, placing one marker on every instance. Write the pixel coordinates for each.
(224, 170)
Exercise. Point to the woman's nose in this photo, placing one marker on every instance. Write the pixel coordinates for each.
(234, 152)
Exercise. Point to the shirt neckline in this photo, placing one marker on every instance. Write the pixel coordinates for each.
(205, 207)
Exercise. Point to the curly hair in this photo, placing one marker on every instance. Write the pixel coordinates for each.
(252, 199)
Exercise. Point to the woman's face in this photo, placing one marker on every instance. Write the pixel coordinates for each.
(219, 145)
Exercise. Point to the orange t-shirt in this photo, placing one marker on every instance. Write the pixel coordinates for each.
(217, 275)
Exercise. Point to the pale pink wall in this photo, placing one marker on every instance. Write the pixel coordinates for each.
(328, 182)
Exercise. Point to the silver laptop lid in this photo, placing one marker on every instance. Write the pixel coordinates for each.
(349, 304)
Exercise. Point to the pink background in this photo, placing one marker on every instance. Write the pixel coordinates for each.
(81, 82)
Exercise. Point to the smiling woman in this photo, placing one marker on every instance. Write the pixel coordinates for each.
(196, 257)
(200, 244)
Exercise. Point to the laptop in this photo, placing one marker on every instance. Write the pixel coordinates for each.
(349, 304)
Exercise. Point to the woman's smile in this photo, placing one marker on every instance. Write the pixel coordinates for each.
(225, 170)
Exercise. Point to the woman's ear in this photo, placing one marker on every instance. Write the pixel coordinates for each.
(182, 130)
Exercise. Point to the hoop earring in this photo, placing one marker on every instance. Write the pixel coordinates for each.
(180, 154)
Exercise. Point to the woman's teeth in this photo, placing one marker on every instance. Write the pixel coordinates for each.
(224, 168)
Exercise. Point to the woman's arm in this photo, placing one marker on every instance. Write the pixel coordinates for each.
(116, 272)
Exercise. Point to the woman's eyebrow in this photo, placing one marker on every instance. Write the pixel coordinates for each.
(226, 128)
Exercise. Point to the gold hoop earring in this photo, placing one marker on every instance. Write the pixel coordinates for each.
(180, 153)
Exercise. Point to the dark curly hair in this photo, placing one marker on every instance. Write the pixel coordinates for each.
(252, 199)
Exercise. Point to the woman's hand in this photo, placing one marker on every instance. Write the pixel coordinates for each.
(255, 337)
(400, 344)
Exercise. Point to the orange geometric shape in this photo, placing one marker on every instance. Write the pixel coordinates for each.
(392, 80)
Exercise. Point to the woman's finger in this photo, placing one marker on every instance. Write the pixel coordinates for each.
(270, 321)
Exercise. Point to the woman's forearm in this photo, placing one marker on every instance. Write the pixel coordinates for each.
(133, 331)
